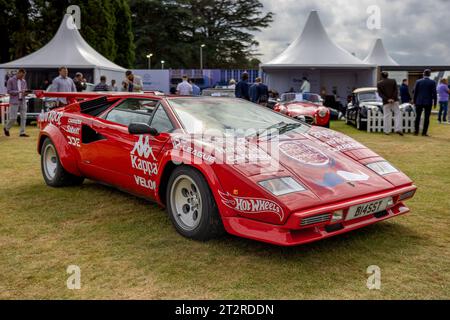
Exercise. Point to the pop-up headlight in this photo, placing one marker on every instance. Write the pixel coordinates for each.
(282, 186)
(382, 168)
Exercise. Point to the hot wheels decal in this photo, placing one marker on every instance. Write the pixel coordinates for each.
(305, 154)
(251, 205)
(53, 117)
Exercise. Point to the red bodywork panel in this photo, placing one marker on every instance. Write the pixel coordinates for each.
(331, 167)
(306, 109)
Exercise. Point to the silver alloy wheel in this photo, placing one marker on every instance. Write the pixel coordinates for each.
(50, 161)
(186, 202)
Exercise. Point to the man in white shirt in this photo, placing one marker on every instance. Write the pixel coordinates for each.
(306, 86)
(63, 84)
(184, 88)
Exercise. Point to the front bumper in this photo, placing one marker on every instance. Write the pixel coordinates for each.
(292, 233)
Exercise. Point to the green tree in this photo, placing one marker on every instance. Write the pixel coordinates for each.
(18, 33)
(123, 34)
(227, 28)
(174, 30)
(98, 26)
(7, 11)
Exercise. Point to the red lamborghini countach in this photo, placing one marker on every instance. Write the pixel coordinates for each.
(221, 164)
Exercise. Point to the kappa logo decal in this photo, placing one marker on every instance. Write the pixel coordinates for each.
(140, 158)
(143, 148)
(251, 205)
(305, 154)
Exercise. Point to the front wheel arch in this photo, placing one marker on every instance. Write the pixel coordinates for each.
(211, 225)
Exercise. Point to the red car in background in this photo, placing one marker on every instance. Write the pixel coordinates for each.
(221, 164)
(306, 107)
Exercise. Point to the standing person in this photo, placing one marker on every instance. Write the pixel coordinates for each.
(132, 83)
(195, 88)
(388, 91)
(114, 85)
(184, 88)
(102, 86)
(253, 92)
(306, 86)
(263, 93)
(63, 84)
(232, 84)
(17, 90)
(443, 92)
(45, 84)
(242, 88)
(425, 97)
(405, 96)
(80, 82)
(259, 92)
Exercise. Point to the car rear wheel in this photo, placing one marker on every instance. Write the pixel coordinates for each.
(52, 170)
(191, 206)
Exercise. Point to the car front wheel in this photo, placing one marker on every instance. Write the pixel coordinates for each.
(52, 170)
(191, 206)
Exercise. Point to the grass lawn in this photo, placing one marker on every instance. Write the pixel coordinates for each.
(127, 248)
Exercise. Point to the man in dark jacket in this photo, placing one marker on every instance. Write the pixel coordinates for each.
(425, 97)
(404, 92)
(259, 92)
(388, 91)
(80, 82)
(242, 88)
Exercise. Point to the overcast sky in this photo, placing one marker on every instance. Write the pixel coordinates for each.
(413, 31)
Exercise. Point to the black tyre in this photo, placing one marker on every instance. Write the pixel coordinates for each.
(191, 206)
(52, 170)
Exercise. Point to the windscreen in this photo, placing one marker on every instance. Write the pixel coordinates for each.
(201, 114)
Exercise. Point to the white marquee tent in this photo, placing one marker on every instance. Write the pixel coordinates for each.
(315, 56)
(68, 48)
(379, 56)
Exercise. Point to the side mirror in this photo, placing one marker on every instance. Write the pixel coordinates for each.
(142, 128)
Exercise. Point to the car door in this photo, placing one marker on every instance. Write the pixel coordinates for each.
(146, 154)
(118, 158)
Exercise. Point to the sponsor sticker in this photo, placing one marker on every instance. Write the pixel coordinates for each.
(140, 155)
(304, 153)
(53, 117)
(251, 205)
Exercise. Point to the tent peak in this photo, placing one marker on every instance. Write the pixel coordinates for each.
(379, 56)
(66, 48)
(315, 48)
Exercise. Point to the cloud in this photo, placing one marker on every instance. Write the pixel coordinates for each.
(413, 31)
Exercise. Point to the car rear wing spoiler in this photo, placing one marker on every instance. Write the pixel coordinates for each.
(70, 96)
(89, 95)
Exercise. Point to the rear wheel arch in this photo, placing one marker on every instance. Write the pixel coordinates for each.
(68, 158)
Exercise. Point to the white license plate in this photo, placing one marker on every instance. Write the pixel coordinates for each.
(367, 209)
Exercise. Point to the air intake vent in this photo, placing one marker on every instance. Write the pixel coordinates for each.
(315, 219)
